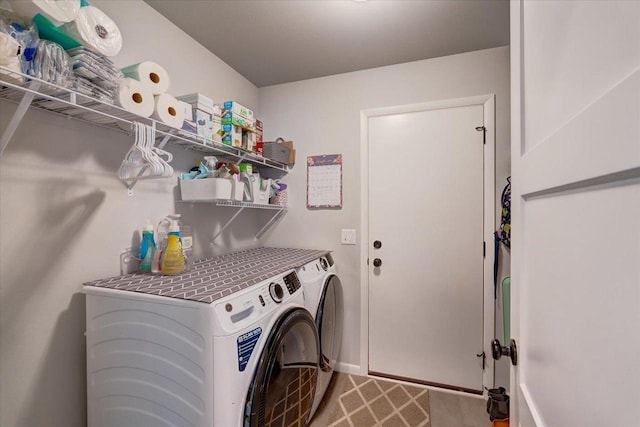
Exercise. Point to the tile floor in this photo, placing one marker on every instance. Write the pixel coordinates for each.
(355, 401)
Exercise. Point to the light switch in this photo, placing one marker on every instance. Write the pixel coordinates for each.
(348, 236)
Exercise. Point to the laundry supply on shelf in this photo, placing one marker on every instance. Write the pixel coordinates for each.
(26, 37)
(96, 30)
(168, 111)
(278, 193)
(52, 64)
(150, 74)
(10, 52)
(58, 12)
(280, 151)
(206, 116)
(135, 97)
(259, 144)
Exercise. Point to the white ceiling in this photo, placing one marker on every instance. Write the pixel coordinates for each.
(271, 42)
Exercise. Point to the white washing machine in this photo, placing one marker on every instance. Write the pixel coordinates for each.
(323, 298)
(249, 359)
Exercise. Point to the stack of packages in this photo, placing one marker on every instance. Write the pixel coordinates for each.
(86, 32)
(94, 74)
(238, 126)
(233, 125)
(202, 118)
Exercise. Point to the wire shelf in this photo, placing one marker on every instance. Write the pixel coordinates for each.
(59, 100)
(237, 204)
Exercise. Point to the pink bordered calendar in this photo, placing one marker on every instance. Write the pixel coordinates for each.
(324, 181)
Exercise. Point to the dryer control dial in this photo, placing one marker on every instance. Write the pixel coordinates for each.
(276, 292)
(324, 264)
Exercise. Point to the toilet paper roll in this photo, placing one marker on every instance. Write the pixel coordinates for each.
(168, 111)
(95, 30)
(135, 97)
(149, 73)
(58, 11)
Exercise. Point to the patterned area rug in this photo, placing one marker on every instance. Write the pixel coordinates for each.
(355, 401)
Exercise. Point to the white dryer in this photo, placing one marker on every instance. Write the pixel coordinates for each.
(249, 359)
(323, 298)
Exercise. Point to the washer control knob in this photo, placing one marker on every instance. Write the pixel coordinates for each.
(324, 264)
(276, 292)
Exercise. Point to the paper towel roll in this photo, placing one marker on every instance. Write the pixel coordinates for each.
(149, 73)
(58, 11)
(94, 29)
(168, 111)
(135, 97)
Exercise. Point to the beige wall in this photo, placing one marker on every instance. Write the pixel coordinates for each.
(322, 116)
(64, 219)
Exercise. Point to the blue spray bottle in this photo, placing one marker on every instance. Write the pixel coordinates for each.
(147, 248)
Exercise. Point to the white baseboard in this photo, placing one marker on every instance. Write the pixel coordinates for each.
(348, 368)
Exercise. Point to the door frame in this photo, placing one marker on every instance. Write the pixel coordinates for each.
(489, 202)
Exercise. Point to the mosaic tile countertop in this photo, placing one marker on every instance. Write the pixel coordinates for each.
(210, 279)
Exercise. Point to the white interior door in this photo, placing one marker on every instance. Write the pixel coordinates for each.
(576, 213)
(426, 182)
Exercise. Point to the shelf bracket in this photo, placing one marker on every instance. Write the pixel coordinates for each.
(241, 158)
(224, 227)
(271, 221)
(18, 115)
(135, 180)
(166, 138)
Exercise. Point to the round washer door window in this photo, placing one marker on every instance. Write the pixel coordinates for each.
(284, 385)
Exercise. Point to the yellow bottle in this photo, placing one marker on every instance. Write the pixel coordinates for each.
(173, 258)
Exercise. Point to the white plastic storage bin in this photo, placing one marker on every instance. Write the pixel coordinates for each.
(206, 189)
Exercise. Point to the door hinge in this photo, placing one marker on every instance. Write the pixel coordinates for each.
(484, 359)
(484, 133)
(484, 249)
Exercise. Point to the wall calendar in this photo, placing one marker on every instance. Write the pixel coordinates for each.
(324, 181)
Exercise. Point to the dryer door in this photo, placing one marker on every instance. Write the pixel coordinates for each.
(329, 322)
(283, 387)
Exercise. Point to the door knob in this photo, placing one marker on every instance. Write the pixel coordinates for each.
(498, 350)
(377, 244)
(377, 262)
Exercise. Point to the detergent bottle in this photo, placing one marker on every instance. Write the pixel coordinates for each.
(172, 257)
(147, 248)
(161, 244)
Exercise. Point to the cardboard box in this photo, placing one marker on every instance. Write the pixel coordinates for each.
(190, 126)
(259, 148)
(259, 130)
(292, 153)
(248, 140)
(198, 102)
(217, 130)
(232, 135)
(204, 126)
(187, 110)
(238, 110)
(229, 118)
